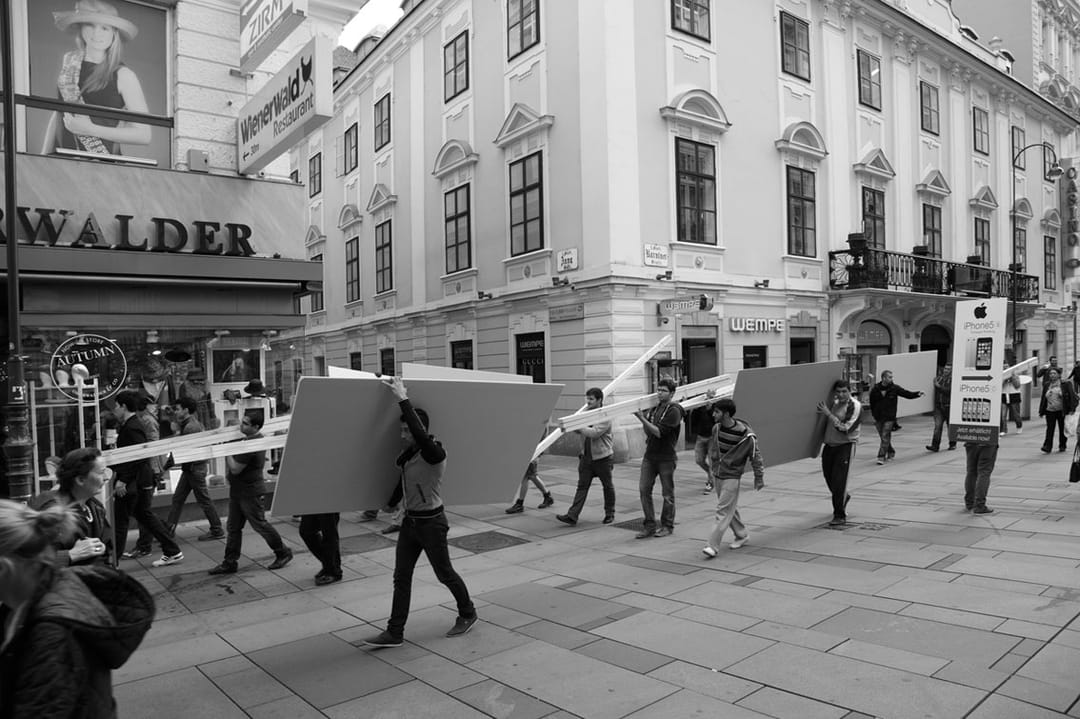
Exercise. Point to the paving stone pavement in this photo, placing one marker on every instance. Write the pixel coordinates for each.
(915, 609)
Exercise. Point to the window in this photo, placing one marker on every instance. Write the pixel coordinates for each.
(352, 269)
(869, 80)
(458, 231)
(794, 46)
(982, 240)
(691, 17)
(931, 229)
(456, 66)
(316, 297)
(314, 170)
(802, 221)
(522, 26)
(929, 110)
(526, 205)
(1018, 140)
(382, 122)
(1020, 247)
(980, 126)
(386, 361)
(873, 217)
(754, 356)
(530, 355)
(1049, 262)
(1048, 154)
(695, 191)
(384, 262)
(351, 157)
(356, 361)
(461, 354)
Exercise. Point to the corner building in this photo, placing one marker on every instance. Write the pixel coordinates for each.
(547, 188)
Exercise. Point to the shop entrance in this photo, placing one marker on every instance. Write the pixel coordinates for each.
(802, 350)
(700, 359)
(936, 337)
(873, 340)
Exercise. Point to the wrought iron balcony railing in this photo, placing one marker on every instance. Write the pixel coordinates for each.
(903, 272)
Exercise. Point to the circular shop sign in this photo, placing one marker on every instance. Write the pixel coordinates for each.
(88, 357)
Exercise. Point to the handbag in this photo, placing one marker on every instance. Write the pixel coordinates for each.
(1074, 468)
(1070, 424)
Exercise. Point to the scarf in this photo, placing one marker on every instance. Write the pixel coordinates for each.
(68, 84)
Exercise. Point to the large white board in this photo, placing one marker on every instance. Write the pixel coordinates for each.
(913, 371)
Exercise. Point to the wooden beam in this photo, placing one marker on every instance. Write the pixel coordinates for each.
(684, 394)
(187, 441)
(1019, 367)
(228, 449)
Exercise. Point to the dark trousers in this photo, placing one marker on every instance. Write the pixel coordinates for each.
(587, 469)
(248, 509)
(427, 535)
(980, 463)
(835, 463)
(1010, 412)
(320, 534)
(136, 504)
(1055, 418)
(650, 470)
(193, 481)
(941, 419)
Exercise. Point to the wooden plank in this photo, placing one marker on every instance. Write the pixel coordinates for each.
(228, 449)
(1019, 367)
(187, 441)
(639, 404)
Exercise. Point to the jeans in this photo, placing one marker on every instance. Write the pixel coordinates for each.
(194, 481)
(136, 504)
(727, 511)
(600, 468)
(1055, 418)
(427, 535)
(835, 463)
(650, 469)
(885, 430)
(320, 535)
(701, 455)
(980, 463)
(1010, 411)
(249, 509)
(941, 418)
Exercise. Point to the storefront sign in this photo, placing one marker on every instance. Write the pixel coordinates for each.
(680, 304)
(298, 100)
(977, 358)
(656, 256)
(567, 259)
(566, 313)
(1070, 211)
(164, 234)
(83, 358)
(264, 24)
(752, 324)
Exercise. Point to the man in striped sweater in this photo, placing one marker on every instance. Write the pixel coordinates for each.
(733, 443)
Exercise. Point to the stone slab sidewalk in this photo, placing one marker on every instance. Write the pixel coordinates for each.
(915, 609)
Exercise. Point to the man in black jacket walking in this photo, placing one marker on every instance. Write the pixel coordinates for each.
(883, 408)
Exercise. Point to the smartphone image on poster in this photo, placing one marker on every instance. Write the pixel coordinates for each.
(983, 349)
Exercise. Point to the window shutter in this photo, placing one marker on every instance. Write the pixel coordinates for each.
(339, 156)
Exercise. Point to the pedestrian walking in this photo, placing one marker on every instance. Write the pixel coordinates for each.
(531, 475)
(422, 464)
(883, 400)
(596, 460)
(1058, 400)
(843, 416)
(701, 424)
(1010, 404)
(942, 406)
(247, 485)
(79, 478)
(320, 535)
(731, 445)
(662, 425)
(193, 476)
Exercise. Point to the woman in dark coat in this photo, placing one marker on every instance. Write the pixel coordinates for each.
(64, 628)
(80, 477)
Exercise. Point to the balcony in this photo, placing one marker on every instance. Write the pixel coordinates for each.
(871, 268)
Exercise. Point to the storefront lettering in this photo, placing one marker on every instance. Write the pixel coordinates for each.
(751, 324)
(165, 234)
(84, 362)
(1072, 213)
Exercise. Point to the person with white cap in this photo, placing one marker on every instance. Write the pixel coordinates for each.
(95, 74)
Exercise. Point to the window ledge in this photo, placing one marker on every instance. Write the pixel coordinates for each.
(460, 274)
(697, 247)
(525, 257)
(384, 294)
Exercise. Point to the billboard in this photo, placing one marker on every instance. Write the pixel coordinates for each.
(111, 55)
(978, 358)
(296, 101)
(264, 24)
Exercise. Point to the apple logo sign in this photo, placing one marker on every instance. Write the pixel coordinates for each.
(980, 312)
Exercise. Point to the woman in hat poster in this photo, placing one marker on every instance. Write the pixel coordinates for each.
(94, 73)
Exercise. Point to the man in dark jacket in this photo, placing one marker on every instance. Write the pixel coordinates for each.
(193, 475)
(883, 408)
(661, 424)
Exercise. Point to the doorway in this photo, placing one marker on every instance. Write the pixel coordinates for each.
(936, 337)
(701, 359)
(802, 350)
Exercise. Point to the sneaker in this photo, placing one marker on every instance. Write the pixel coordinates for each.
(1045, 450)
(211, 536)
(952, 446)
(609, 519)
(1002, 434)
(135, 553)
(224, 568)
(662, 532)
(166, 560)
(324, 579)
(1019, 430)
(282, 559)
(708, 488)
(516, 508)
(983, 509)
(709, 552)
(548, 501)
(881, 460)
(837, 521)
(391, 529)
(566, 519)
(384, 640)
(646, 533)
(462, 626)
(739, 542)
(932, 448)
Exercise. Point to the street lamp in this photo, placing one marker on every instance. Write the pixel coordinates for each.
(1051, 174)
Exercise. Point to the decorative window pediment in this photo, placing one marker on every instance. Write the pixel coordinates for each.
(934, 184)
(454, 155)
(804, 139)
(314, 234)
(349, 215)
(984, 199)
(522, 120)
(875, 164)
(380, 198)
(697, 107)
(1022, 210)
(1051, 220)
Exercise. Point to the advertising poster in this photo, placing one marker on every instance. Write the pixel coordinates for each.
(978, 360)
(114, 57)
